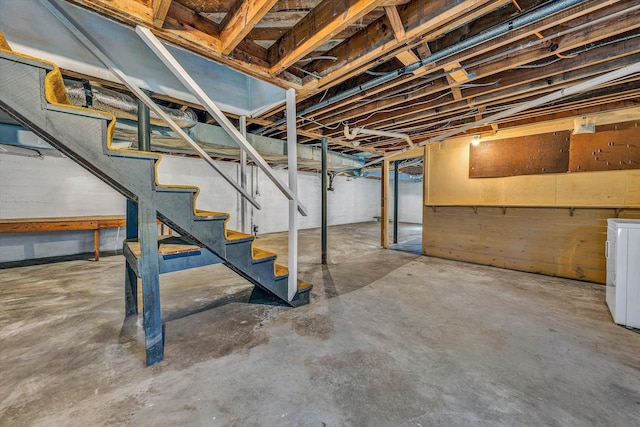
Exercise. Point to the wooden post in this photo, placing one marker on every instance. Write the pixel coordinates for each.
(96, 242)
(150, 275)
(396, 198)
(384, 215)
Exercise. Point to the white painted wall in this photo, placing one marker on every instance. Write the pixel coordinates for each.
(33, 187)
(410, 203)
(57, 187)
(353, 200)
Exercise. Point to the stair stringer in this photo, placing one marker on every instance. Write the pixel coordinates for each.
(84, 135)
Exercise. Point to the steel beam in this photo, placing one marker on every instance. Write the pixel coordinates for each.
(150, 275)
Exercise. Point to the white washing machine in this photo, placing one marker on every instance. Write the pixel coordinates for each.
(623, 271)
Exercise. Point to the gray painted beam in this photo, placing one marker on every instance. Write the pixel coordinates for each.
(150, 275)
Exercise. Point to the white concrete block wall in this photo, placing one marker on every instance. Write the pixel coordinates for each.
(353, 200)
(410, 203)
(33, 187)
(56, 187)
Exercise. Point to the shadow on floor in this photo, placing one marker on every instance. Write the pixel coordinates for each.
(412, 246)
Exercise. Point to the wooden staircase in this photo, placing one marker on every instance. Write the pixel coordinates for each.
(32, 91)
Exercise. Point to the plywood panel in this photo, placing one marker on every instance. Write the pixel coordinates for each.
(449, 184)
(529, 190)
(538, 240)
(611, 147)
(632, 188)
(596, 188)
(526, 155)
(449, 181)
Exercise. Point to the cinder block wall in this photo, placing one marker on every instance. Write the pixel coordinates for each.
(56, 187)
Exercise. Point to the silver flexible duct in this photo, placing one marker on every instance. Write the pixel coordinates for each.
(121, 105)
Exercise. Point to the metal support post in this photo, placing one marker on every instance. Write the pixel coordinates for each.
(244, 227)
(132, 220)
(396, 176)
(292, 157)
(130, 278)
(324, 200)
(150, 275)
(144, 127)
(384, 208)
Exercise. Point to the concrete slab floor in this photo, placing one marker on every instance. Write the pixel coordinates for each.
(390, 339)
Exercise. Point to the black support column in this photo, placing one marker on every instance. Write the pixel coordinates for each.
(324, 200)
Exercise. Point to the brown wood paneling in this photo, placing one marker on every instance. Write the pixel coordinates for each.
(541, 240)
(527, 155)
(611, 147)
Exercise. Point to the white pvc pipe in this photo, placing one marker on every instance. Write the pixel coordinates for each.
(351, 134)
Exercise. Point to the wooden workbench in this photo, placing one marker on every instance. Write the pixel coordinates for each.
(76, 223)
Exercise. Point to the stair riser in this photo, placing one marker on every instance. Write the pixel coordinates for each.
(262, 276)
(240, 254)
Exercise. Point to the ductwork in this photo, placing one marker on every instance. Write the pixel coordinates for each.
(122, 106)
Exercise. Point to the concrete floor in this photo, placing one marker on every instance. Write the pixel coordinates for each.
(391, 339)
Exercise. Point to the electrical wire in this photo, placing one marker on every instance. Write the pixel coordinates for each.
(314, 58)
(466, 85)
(323, 95)
(320, 124)
(537, 65)
(377, 73)
(390, 110)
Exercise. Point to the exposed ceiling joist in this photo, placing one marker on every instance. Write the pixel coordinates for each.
(396, 23)
(326, 19)
(160, 9)
(336, 53)
(240, 20)
(407, 57)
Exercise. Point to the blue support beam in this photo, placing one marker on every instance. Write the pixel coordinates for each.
(150, 275)
(130, 277)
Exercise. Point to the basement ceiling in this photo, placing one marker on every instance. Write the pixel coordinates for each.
(431, 78)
